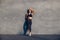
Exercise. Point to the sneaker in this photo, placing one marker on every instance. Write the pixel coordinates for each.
(30, 34)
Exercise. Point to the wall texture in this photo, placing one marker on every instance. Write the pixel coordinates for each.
(45, 21)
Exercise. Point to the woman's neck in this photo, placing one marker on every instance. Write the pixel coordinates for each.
(29, 13)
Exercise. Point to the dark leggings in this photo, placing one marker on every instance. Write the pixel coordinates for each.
(29, 25)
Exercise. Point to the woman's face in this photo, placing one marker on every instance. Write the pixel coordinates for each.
(29, 11)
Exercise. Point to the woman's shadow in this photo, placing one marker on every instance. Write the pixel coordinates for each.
(25, 24)
(25, 27)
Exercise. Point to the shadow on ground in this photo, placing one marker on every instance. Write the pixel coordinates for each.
(33, 37)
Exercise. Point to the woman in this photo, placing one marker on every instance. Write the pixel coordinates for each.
(28, 19)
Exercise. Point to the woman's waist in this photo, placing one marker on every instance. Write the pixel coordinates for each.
(29, 17)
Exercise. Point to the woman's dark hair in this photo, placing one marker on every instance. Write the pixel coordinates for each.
(28, 11)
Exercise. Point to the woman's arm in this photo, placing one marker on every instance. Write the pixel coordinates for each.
(25, 16)
(33, 11)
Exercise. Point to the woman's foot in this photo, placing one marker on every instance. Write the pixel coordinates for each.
(30, 34)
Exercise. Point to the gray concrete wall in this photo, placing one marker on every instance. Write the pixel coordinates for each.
(45, 21)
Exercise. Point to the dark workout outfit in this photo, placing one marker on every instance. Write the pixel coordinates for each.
(28, 22)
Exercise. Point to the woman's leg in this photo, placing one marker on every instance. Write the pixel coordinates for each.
(29, 27)
(29, 30)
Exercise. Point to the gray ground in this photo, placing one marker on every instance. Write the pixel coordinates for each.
(45, 21)
(33, 37)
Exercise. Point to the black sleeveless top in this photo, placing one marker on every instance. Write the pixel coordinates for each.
(29, 15)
